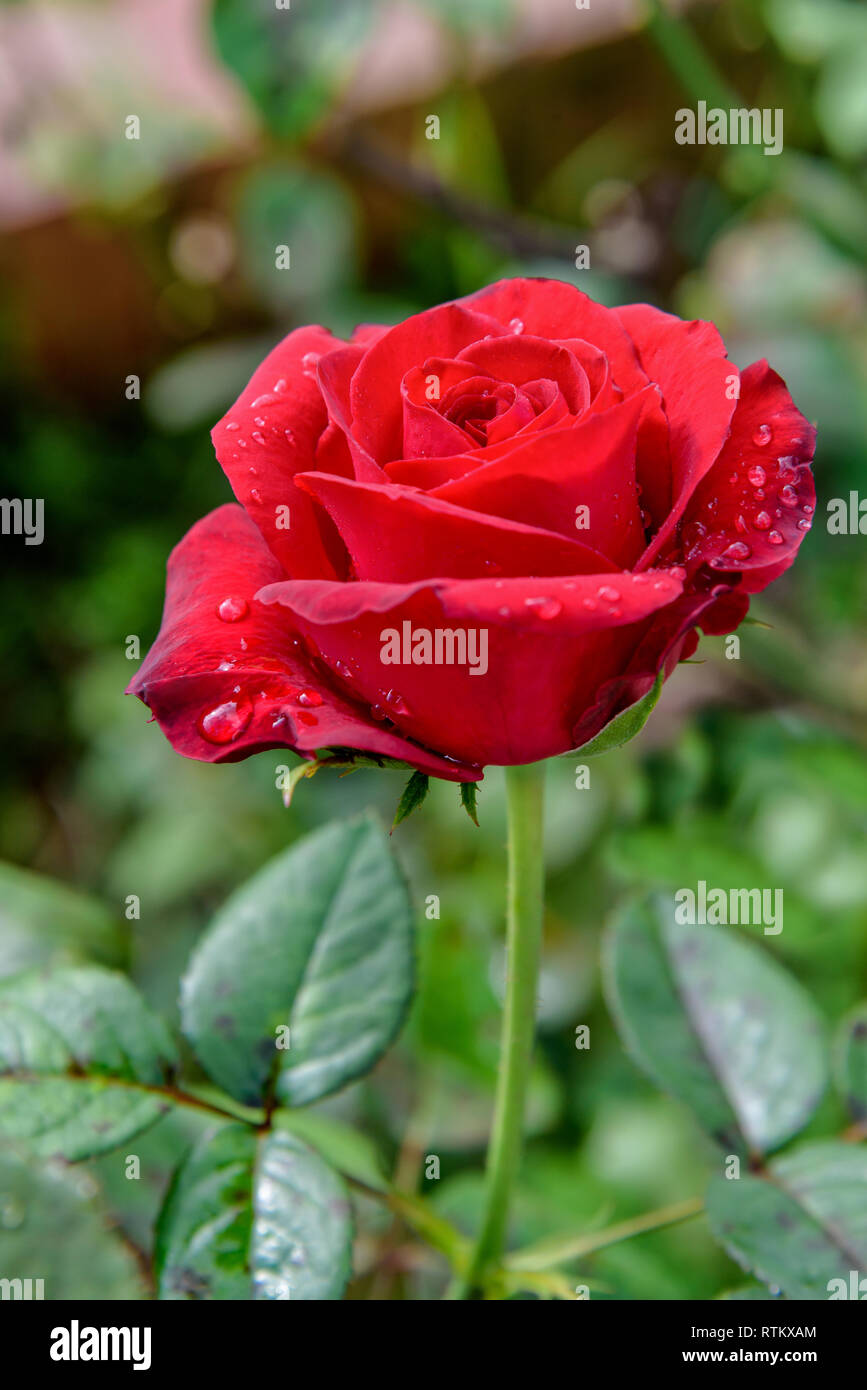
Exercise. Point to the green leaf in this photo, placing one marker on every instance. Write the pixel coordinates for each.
(804, 1225)
(343, 1147)
(53, 1227)
(78, 1050)
(850, 1062)
(625, 725)
(413, 795)
(83, 1017)
(59, 1118)
(319, 941)
(254, 1216)
(43, 922)
(714, 1020)
(468, 800)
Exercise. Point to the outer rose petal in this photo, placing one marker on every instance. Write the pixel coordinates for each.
(252, 669)
(269, 435)
(398, 536)
(688, 361)
(550, 644)
(760, 495)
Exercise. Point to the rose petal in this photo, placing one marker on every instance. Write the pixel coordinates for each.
(269, 435)
(397, 535)
(374, 391)
(688, 361)
(546, 651)
(551, 309)
(543, 478)
(752, 511)
(225, 687)
(519, 358)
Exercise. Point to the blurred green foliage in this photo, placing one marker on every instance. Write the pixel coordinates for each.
(749, 772)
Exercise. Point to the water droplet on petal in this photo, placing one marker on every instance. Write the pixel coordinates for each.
(738, 550)
(233, 425)
(255, 494)
(258, 436)
(788, 496)
(761, 521)
(757, 476)
(551, 608)
(807, 509)
(516, 325)
(309, 362)
(233, 609)
(606, 592)
(307, 697)
(775, 538)
(226, 721)
(805, 525)
(267, 399)
(762, 435)
(396, 702)
(279, 386)
(740, 524)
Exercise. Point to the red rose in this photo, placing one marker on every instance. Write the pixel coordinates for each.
(550, 493)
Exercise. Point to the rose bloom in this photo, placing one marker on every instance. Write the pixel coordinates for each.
(476, 536)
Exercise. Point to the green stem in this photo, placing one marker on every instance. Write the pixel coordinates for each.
(525, 799)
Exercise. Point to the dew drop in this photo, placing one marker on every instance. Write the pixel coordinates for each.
(807, 509)
(233, 609)
(267, 399)
(279, 386)
(396, 702)
(740, 524)
(805, 525)
(233, 426)
(258, 436)
(551, 608)
(762, 435)
(756, 476)
(738, 550)
(226, 721)
(788, 496)
(761, 521)
(516, 325)
(775, 538)
(307, 697)
(309, 362)
(343, 670)
(606, 592)
(260, 421)
(255, 494)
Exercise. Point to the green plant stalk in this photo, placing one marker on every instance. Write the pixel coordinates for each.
(525, 801)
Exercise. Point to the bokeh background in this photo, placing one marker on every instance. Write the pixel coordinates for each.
(155, 258)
